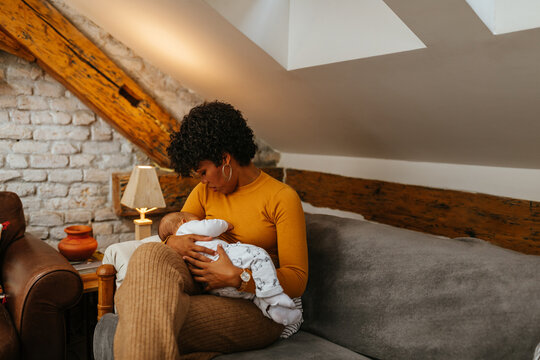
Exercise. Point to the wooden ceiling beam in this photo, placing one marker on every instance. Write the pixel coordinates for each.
(66, 54)
(175, 191)
(12, 46)
(509, 223)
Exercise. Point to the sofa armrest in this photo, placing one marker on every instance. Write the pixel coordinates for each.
(40, 284)
(106, 287)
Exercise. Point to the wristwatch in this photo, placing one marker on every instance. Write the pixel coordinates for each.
(245, 276)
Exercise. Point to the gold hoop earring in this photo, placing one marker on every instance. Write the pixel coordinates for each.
(230, 172)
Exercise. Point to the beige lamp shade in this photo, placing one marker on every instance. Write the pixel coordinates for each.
(143, 190)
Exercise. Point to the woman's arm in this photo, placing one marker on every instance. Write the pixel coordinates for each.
(216, 274)
(182, 244)
(291, 243)
(289, 218)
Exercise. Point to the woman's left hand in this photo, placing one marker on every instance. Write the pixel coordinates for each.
(216, 274)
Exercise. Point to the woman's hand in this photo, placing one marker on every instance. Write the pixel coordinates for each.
(185, 245)
(216, 274)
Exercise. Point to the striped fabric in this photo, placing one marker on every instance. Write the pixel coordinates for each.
(162, 313)
(293, 328)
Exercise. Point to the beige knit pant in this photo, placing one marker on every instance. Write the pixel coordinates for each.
(162, 313)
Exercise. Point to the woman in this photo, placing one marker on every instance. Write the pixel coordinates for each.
(162, 309)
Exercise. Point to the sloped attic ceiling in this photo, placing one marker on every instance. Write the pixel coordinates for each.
(469, 97)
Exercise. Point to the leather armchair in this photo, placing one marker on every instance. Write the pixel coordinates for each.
(40, 285)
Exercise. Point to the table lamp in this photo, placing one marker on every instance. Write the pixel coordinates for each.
(143, 193)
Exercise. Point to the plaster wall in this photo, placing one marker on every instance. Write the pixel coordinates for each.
(501, 181)
(469, 97)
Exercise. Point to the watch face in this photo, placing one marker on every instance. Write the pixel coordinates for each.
(245, 276)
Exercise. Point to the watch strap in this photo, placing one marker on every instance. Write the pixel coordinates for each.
(244, 284)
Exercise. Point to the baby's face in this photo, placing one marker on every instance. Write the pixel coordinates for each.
(185, 217)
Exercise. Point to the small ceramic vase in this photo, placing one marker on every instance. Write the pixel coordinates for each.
(78, 245)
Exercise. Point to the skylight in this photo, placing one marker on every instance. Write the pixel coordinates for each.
(505, 16)
(305, 33)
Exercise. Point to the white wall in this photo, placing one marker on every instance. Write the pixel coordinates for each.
(510, 182)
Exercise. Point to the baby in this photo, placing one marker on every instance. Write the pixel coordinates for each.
(269, 295)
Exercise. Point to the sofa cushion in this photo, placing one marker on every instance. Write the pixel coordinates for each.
(392, 293)
(11, 210)
(104, 337)
(301, 345)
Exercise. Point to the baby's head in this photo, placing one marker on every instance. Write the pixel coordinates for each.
(186, 217)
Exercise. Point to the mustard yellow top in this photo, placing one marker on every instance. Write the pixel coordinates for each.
(266, 213)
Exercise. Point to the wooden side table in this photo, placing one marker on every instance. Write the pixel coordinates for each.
(82, 318)
(90, 282)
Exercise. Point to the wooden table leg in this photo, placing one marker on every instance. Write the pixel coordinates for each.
(106, 287)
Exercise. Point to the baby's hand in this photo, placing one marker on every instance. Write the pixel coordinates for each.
(230, 227)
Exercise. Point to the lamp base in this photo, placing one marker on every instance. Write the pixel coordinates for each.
(143, 228)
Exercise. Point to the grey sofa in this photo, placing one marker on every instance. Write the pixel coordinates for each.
(381, 292)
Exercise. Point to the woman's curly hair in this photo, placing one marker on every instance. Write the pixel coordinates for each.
(208, 132)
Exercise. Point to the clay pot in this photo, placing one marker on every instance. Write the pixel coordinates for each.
(78, 245)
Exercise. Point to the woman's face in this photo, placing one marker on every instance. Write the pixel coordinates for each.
(209, 173)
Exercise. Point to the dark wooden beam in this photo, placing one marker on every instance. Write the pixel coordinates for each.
(509, 223)
(72, 59)
(12, 46)
(175, 191)
(506, 222)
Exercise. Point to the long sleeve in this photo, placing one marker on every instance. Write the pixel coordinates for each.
(194, 202)
(265, 213)
(291, 242)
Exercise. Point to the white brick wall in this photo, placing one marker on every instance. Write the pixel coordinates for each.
(58, 155)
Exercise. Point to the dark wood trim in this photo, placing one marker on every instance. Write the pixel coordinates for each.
(175, 191)
(506, 222)
(106, 276)
(509, 223)
(72, 59)
(12, 46)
